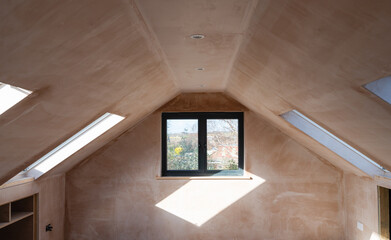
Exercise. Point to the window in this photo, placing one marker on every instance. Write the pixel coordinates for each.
(202, 144)
(10, 95)
(72, 145)
(333, 143)
(381, 88)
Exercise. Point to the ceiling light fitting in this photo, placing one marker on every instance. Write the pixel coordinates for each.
(197, 36)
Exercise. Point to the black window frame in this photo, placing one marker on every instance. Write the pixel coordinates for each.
(202, 118)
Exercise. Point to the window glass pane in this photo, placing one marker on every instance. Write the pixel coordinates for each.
(381, 88)
(73, 144)
(10, 95)
(333, 143)
(182, 144)
(222, 144)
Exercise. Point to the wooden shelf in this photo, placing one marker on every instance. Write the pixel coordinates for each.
(16, 216)
(18, 219)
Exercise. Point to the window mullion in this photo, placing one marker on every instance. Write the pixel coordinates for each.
(202, 144)
(164, 145)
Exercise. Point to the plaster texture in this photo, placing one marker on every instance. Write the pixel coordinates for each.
(80, 59)
(361, 205)
(315, 56)
(114, 194)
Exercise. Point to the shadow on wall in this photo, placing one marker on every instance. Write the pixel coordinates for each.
(200, 200)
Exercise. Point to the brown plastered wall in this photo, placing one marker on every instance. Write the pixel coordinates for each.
(360, 203)
(114, 193)
(51, 203)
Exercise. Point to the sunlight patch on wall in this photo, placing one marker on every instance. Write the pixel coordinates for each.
(72, 145)
(198, 201)
(375, 236)
(10, 95)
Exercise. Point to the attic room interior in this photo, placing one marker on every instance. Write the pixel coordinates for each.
(195, 119)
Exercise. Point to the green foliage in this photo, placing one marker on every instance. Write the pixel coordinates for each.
(232, 165)
(187, 159)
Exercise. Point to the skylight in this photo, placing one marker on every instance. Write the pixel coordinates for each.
(10, 95)
(333, 143)
(72, 145)
(381, 88)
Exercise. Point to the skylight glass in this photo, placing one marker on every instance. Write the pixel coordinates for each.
(10, 95)
(381, 88)
(72, 145)
(333, 143)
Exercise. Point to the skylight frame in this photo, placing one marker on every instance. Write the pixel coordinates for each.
(32, 171)
(334, 144)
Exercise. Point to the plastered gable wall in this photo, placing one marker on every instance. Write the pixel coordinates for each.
(114, 193)
(361, 205)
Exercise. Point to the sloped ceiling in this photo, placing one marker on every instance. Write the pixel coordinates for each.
(84, 58)
(314, 56)
(81, 59)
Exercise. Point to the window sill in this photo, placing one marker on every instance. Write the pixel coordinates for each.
(206, 178)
